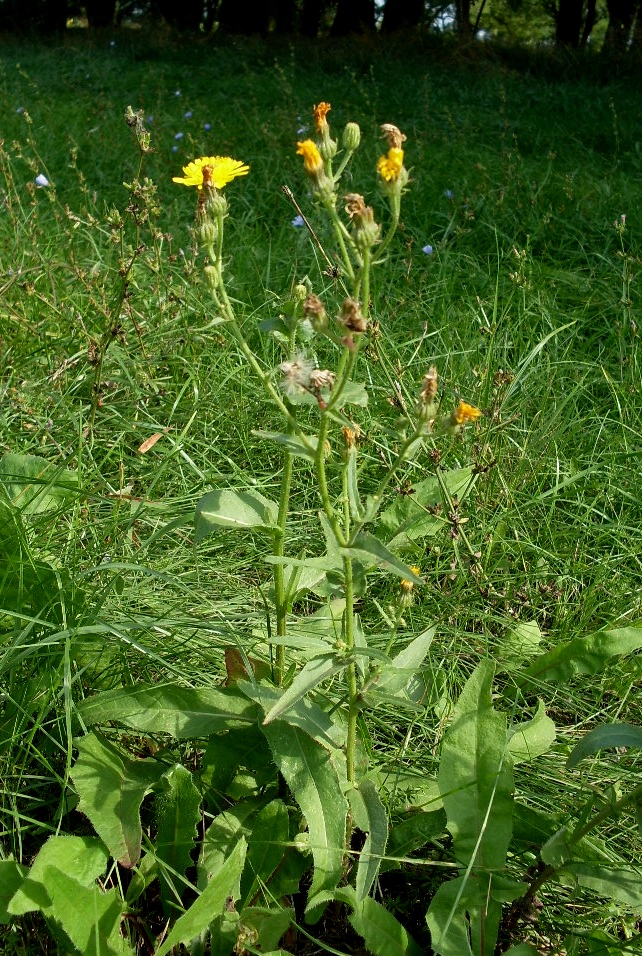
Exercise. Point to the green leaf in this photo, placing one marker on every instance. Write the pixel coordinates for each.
(235, 509)
(182, 712)
(371, 551)
(210, 903)
(310, 773)
(411, 834)
(34, 485)
(354, 501)
(583, 655)
(476, 777)
(224, 754)
(532, 738)
(303, 446)
(465, 913)
(612, 883)
(177, 807)
(382, 933)
(395, 675)
(111, 789)
(305, 714)
(408, 518)
(519, 644)
(354, 393)
(221, 837)
(447, 921)
(267, 847)
(89, 916)
(371, 818)
(310, 676)
(522, 949)
(612, 735)
(269, 924)
(12, 875)
(85, 857)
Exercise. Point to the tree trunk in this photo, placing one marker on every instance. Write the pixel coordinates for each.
(353, 16)
(589, 22)
(402, 15)
(462, 19)
(100, 13)
(248, 17)
(569, 23)
(621, 16)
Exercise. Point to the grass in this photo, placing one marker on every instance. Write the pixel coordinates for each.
(528, 305)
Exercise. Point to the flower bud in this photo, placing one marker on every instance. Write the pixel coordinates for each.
(212, 277)
(207, 233)
(217, 204)
(351, 137)
(314, 312)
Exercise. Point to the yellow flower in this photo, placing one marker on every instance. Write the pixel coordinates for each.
(311, 157)
(389, 167)
(320, 113)
(216, 171)
(407, 588)
(465, 413)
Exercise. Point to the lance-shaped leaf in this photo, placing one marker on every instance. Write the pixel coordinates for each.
(89, 916)
(235, 509)
(310, 676)
(583, 655)
(371, 551)
(397, 673)
(611, 735)
(34, 485)
(310, 773)
(327, 730)
(476, 777)
(383, 934)
(409, 518)
(465, 913)
(531, 738)
(85, 857)
(210, 903)
(304, 445)
(177, 807)
(112, 788)
(370, 816)
(182, 712)
(267, 847)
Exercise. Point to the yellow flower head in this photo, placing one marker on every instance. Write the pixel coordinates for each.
(320, 113)
(465, 413)
(389, 167)
(311, 157)
(408, 586)
(216, 171)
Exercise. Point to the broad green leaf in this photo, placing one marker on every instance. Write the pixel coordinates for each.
(112, 788)
(34, 485)
(354, 393)
(12, 875)
(395, 675)
(611, 882)
(382, 933)
(85, 857)
(267, 847)
(532, 738)
(182, 712)
(305, 714)
(235, 509)
(611, 735)
(315, 672)
(371, 818)
(269, 924)
(89, 916)
(309, 771)
(476, 776)
(371, 551)
(409, 518)
(411, 834)
(222, 835)
(583, 655)
(520, 643)
(210, 903)
(522, 949)
(465, 913)
(224, 754)
(447, 922)
(304, 445)
(557, 849)
(177, 809)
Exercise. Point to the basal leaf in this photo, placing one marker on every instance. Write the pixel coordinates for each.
(177, 809)
(12, 875)
(382, 933)
(240, 510)
(112, 787)
(583, 655)
(475, 775)
(34, 485)
(182, 712)
(85, 857)
(613, 883)
(90, 917)
(304, 714)
(309, 772)
(610, 735)
(267, 847)
(210, 903)
(531, 738)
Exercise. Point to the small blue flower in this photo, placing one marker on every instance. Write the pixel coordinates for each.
(174, 149)
(427, 250)
(449, 194)
(301, 130)
(149, 120)
(177, 92)
(178, 135)
(207, 127)
(297, 222)
(188, 115)
(41, 180)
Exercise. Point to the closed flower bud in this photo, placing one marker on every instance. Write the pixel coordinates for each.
(217, 204)
(351, 137)
(207, 233)
(212, 277)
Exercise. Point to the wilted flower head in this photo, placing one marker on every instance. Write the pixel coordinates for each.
(352, 316)
(407, 588)
(314, 311)
(321, 378)
(393, 135)
(366, 230)
(321, 110)
(216, 171)
(429, 385)
(296, 374)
